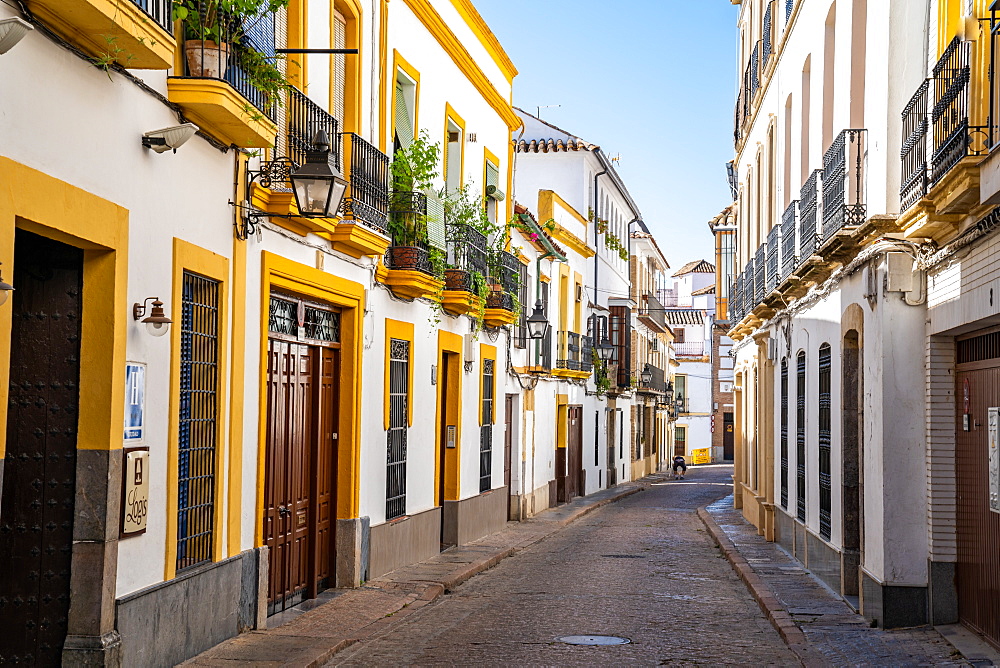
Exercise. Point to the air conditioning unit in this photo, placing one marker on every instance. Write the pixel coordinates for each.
(471, 348)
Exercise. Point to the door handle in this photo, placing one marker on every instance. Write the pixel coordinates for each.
(283, 511)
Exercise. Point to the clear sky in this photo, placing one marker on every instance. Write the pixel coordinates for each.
(651, 80)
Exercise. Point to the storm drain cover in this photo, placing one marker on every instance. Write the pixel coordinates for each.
(594, 640)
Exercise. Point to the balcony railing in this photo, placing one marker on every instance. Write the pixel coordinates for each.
(305, 118)
(508, 268)
(158, 10)
(759, 267)
(690, 349)
(654, 310)
(735, 304)
(543, 358)
(574, 352)
(754, 83)
(749, 289)
(768, 32)
(205, 60)
(789, 246)
(844, 182)
(953, 137)
(809, 214)
(367, 198)
(467, 248)
(657, 381)
(913, 184)
(408, 251)
(773, 254)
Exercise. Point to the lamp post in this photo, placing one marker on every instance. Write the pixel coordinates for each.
(318, 185)
(538, 325)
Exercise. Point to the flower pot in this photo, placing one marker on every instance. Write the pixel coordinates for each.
(404, 257)
(206, 59)
(457, 279)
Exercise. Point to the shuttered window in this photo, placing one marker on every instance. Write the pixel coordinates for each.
(403, 114)
(800, 436)
(338, 69)
(825, 492)
(453, 157)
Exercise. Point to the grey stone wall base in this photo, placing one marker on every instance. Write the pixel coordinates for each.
(471, 519)
(352, 551)
(942, 593)
(892, 606)
(92, 651)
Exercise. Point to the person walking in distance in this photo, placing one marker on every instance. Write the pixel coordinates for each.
(680, 467)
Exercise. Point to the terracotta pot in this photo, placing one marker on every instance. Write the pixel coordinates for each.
(404, 257)
(456, 279)
(206, 59)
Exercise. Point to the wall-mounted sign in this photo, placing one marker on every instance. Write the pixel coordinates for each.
(135, 491)
(994, 455)
(135, 400)
(450, 440)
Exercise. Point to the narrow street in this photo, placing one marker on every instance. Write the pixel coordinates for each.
(643, 569)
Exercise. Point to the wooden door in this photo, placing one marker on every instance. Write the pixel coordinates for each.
(508, 446)
(287, 472)
(325, 465)
(727, 437)
(978, 528)
(574, 456)
(612, 449)
(39, 475)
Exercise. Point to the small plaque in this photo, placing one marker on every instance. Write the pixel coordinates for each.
(450, 440)
(135, 491)
(135, 400)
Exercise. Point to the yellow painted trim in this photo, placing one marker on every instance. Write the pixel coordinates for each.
(569, 373)
(498, 317)
(578, 303)
(297, 38)
(547, 199)
(510, 180)
(410, 283)
(574, 242)
(486, 38)
(452, 115)
(425, 12)
(383, 76)
(448, 343)
(36, 202)
(489, 158)
(543, 278)
(237, 384)
(400, 64)
(353, 84)
(563, 297)
(488, 352)
(562, 420)
(192, 258)
(288, 276)
(219, 110)
(397, 329)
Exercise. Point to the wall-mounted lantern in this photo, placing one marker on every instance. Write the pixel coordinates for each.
(5, 289)
(538, 326)
(647, 375)
(157, 323)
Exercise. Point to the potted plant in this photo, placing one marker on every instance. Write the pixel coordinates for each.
(413, 169)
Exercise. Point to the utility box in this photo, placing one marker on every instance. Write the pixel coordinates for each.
(471, 348)
(898, 272)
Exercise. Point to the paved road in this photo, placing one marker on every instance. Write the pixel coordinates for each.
(642, 568)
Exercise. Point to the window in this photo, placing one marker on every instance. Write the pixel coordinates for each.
(486, 430)
(784, 433)
(453, 154)
(491, 189)
(521, 336)
(679, 335)
(800, 436)
(404, 112)
(395, 482)
(680, 441)
(619, 322)
(825, 494)
(198, 415)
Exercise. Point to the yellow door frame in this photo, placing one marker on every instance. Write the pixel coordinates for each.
(449, 343)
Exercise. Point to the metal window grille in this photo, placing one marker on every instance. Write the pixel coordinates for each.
(773, 259)
(789, 220)
(486, 430)
(784, 433)
(978, 348)
(521, 334)
(768, 33)
(913, 154)
(759, 275)
(825, 494)
(367, 198)
(621, 436)
(749, 288)
(809, 215)
(196, 440)
(619, 322)
(299, 320)
(597, 439)
(395, 478)
(800, 437)
(844, 201)
(950, 113)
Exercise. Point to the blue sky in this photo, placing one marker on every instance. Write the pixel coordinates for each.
(651, 80)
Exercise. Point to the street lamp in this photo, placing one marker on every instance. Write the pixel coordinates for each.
(318, 185)
(669, 398)
(647, 375)
(538, 326)
(605, 351)
(157, 323)
(679, 403)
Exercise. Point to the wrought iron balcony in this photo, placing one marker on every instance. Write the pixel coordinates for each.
(507, 268)
(755, 67)
(749, 290)
(789, 246)
(161, 11)
(574, 351)
(736, 300)
(502, 300)
(913, 184)
(690, 349)
(759, 267)
(953, 137)
(657, 381)
(809, 215)
(467, 248)
(654, 311)
(409, 250)
(305, 118)
(767, 47)
(367, 198)
(771, 275)
(845, 182)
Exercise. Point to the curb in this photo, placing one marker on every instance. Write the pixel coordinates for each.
(765, 597)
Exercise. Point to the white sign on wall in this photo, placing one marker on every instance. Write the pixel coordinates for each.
(135, 400)
(994, 455)
(135, 491)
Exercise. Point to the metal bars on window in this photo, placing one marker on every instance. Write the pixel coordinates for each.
(844, 182)
(367, 198)
(399, 398)
(825, 494)
(784, 433)
(299, 320)
(913, 184)
(197, 424)
(521, 333)
(486, 430)
(800, 436)
(789, 247)
(978, 348)
(620, 323)
(809, 214)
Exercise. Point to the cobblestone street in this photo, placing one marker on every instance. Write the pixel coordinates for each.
(643, 568)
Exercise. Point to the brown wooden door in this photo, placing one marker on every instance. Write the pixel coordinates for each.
(612, 450)
(727, 437)
(287, 474)
(574, 456)
(327, 414)
(508, 446)
(39, 475)
(978, 528)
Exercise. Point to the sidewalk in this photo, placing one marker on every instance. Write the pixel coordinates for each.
(351, 615)
(817, 624)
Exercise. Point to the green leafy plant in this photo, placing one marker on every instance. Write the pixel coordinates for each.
(413, 169)
(262, 73)
(602, 380)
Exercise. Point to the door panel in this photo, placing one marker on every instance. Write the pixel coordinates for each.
(325, 467)
(574, 458)
(508, 446)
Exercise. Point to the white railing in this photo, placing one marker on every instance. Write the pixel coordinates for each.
(691, 349)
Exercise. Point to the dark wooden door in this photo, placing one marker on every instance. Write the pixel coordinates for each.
(325, 466)
(727, 437)
(612, 450)
(978, 528)
(574, 456)
(287, 474)
(508, 445)
(39, 475)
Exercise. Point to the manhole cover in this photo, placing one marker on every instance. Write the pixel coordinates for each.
(623, 556)
(594, 640)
